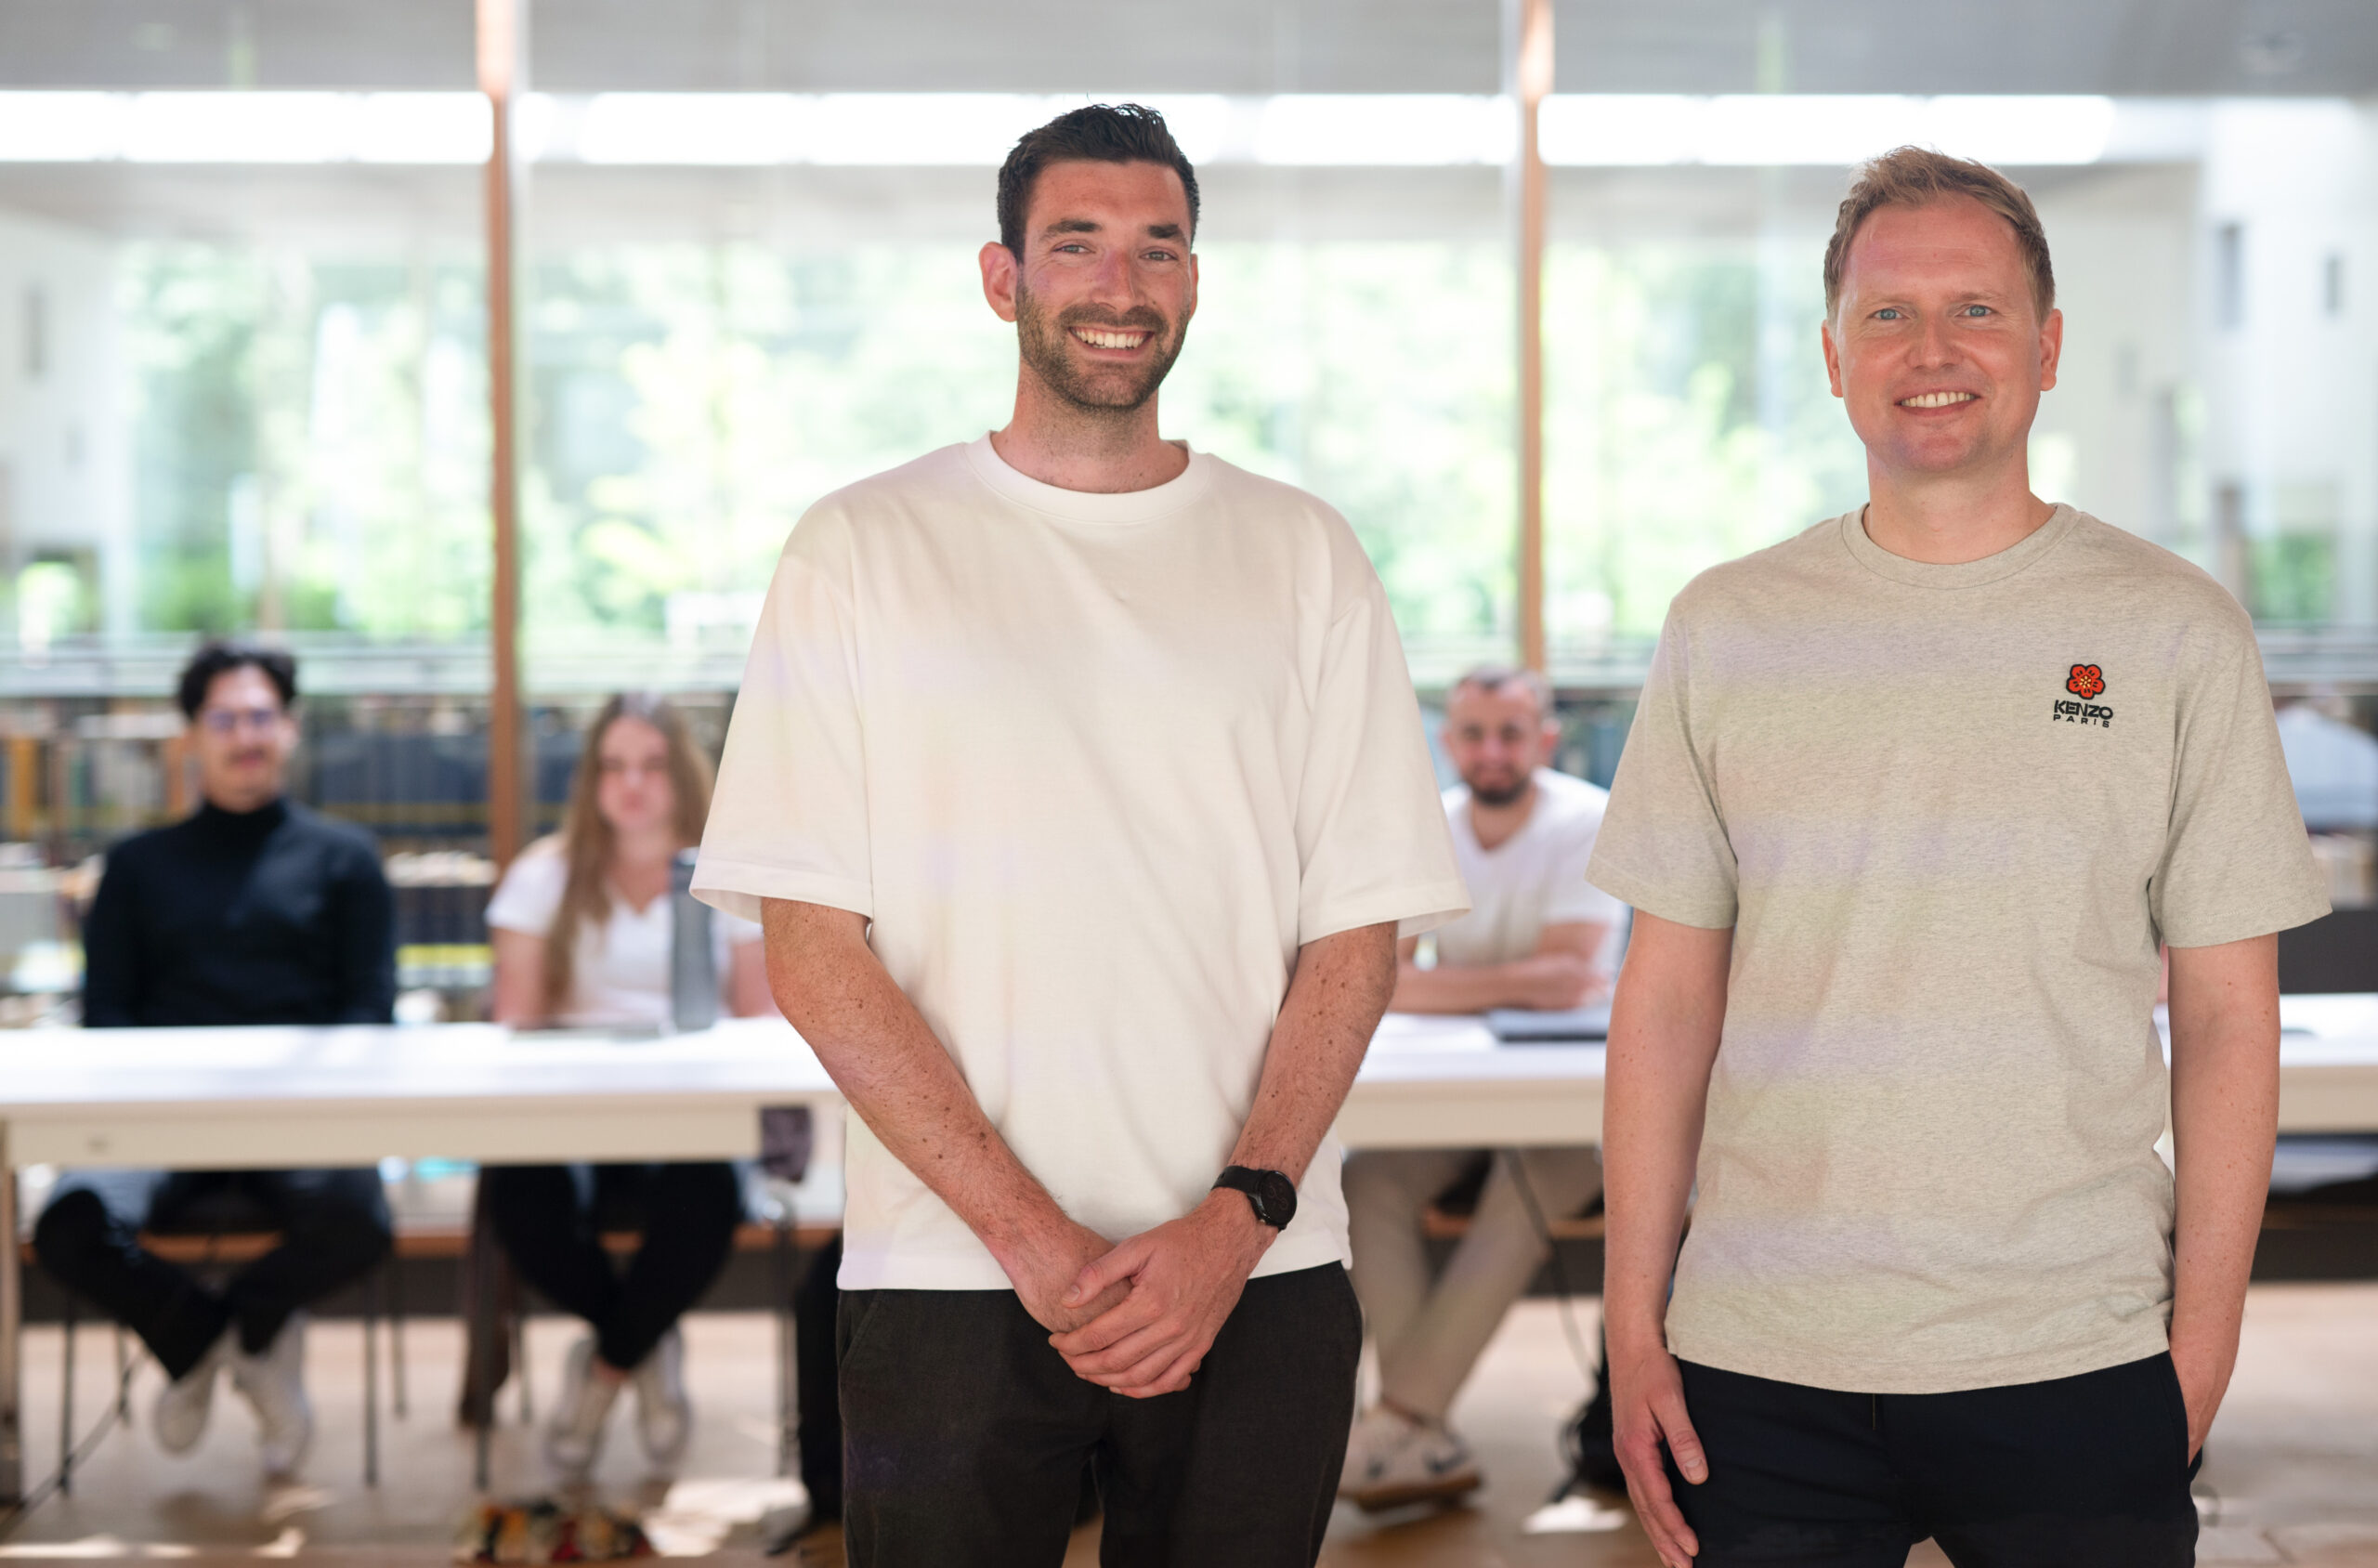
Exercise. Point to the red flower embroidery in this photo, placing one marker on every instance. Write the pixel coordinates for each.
(2087, 681)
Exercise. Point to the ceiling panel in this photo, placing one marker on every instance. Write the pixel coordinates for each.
(2184, 47)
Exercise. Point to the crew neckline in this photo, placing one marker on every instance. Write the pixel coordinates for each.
(1123, 507)
(2018, 556)
(263, 819)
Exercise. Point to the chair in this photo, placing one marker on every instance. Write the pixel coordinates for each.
(213, 1232)
(495, 1314)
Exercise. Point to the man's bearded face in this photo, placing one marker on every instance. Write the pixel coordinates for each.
(1062, 351)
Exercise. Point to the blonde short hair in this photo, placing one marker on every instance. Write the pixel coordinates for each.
(1914, 175)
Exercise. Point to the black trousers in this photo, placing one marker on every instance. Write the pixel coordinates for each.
(819, 1401)
(333, 1227)
(965, 1434)
(553, 1229)
(2090, 1471)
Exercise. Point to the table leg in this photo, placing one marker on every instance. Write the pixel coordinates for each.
(12, 1441)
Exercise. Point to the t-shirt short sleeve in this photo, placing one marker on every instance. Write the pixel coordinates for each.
(1370, 824)
(788, 819)
(2237, 863)
(1663, 845)
(529, 895)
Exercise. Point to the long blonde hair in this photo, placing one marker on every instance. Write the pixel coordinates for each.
(587, 843)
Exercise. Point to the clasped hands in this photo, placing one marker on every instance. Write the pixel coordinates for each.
(1138, 1316)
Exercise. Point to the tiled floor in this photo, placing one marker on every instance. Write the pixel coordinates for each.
(2292, 1474)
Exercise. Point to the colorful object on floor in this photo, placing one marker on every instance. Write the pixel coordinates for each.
(543, 1531)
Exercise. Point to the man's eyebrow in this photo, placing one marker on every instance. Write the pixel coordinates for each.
(1090, 226)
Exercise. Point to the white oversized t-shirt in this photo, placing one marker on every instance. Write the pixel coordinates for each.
(1534, 878)
(620, 969)
(1094, 767)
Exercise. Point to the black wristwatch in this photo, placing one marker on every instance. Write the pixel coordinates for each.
(1272, 1195)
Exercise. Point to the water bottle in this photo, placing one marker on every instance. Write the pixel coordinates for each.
(693, 961)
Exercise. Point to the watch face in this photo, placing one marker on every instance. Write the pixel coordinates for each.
(1279, 1198)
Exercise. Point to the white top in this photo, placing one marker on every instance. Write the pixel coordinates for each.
(1534, 878)
(1096, 766)
(622, 973)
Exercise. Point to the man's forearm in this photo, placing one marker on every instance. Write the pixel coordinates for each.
(1340, 989)
(1528, 981)
(896, 1074)
(1665, 1021)
(2224, 1114)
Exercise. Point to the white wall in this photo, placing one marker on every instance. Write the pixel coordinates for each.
(2290, 391)
(2121, 242)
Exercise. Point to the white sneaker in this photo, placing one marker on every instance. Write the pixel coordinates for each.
(574, 1437)
(1393, 1461)
(183, 1404)
(274, 1383)
(664, 1416)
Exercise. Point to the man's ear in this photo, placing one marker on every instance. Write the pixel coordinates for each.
(1000, 274)
(2051, 348)
(1832, 358)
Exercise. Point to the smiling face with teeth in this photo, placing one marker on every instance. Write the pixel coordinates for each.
(1104, 287)
(1938, 348)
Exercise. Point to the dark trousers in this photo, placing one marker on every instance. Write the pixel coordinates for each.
(551, 1220)
(333, 1227)
(2090, 1471)
(819, 1401)
(965, 1434)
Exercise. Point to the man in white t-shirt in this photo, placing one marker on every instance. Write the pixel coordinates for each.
(1910, 801)
(1077, 781)
(1538, 935)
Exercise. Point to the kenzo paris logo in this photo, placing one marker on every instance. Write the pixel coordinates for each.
(2087, 681)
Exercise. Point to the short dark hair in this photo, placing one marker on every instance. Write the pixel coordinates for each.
(1098, 132)
(223, 655)
(1492, 678)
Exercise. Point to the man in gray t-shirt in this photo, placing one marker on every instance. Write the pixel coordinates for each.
(1909, 805)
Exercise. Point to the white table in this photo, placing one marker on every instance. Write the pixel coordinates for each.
(232, 1099)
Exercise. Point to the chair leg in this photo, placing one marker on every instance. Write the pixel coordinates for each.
(786, 1255)
(520, 1363)
(123, 1377)
(371, 1382)
(486, 1345)
(396, 1277)
(66, 1401)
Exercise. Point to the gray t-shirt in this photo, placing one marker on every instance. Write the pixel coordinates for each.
(1949, 812)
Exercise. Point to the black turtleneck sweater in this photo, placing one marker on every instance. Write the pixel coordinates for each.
(276, 916)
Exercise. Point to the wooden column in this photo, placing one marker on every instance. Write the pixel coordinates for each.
(1531, 76)
(502, 28)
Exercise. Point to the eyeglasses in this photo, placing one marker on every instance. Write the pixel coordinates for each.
(229, 721)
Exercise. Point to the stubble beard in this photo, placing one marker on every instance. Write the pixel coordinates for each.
(1509, 794)
(1104, 393)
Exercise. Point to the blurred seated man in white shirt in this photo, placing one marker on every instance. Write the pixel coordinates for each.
(1538, 935)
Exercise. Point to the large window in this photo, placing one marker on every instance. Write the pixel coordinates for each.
(244, 376)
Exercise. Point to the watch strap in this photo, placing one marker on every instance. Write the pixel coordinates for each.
(1269, 1193)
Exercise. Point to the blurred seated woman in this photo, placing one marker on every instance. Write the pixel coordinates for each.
(582, 925)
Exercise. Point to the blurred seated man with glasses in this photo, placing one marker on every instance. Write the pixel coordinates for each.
(254, 911)
(1535, 936)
